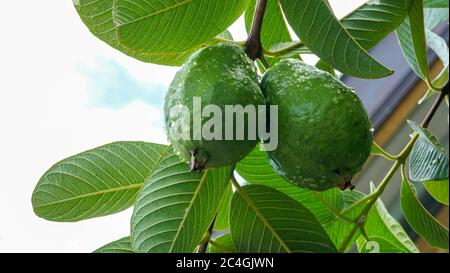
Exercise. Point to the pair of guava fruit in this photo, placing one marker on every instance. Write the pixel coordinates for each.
(325, 134)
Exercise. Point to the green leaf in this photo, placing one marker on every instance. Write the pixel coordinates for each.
(439, 190)
(165, 26)
(385, 231)
(325, 67)
(433, 17)
(222, 244)
(373, 21)
(438, 45)
(428, 163)
(98, 17)
(376, 245)
(117, 247)
(436, 3)
(420, 220)
(411, 36)
(274, 29)
(223, 212)
(256, 169)
(264, 220)
(339, 229)
(95, 183)
(440, 81)
(289, 50)
(314, 22)
(175, 208)
(428, 160)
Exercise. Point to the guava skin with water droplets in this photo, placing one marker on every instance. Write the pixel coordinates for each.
(220, 75)
(325, 134)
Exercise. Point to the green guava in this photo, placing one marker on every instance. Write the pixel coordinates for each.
(221, 75)
(325, 134)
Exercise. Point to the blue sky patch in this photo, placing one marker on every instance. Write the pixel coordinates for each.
(110, 85)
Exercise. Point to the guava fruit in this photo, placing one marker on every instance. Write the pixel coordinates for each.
(221, 75)
(325, 134)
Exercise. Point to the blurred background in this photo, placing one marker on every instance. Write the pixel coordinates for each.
(63, 91)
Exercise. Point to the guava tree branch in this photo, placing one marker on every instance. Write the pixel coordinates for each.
(253, 47)
(434, 108)
(399, 163)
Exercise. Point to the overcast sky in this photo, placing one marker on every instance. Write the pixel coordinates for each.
(62, 91)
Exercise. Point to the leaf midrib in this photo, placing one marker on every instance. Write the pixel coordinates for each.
(264, 220)
(111, 190)
(157, 12)
(91, 194)
(188, 211)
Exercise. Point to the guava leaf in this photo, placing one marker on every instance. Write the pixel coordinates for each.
(411, 36)
(428, 163)
(385, 232)
(420, 220)
(167, 26)
(440, 81)
(256, 169)
(433, 17)
(121, 246)
(376, 245)
(222, 244)
(97, 15)
(175, 207)
(373, 21)
(322, 65)
(439, 46)
(264, 220)
(95, 183)
(339, 229)
(439, 190)
(318, 28)
(436, 3)
(429, 159)
(223, 212)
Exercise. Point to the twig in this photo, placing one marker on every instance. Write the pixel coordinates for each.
(435, 107)
(253, 47)
(401, 160)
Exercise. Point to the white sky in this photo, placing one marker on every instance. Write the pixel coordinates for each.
(46, 115)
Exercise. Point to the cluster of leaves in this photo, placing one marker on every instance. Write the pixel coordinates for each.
(176, 210)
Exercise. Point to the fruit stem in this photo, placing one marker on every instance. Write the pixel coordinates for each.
(253, 47)
(399, 163)
(197, 163)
